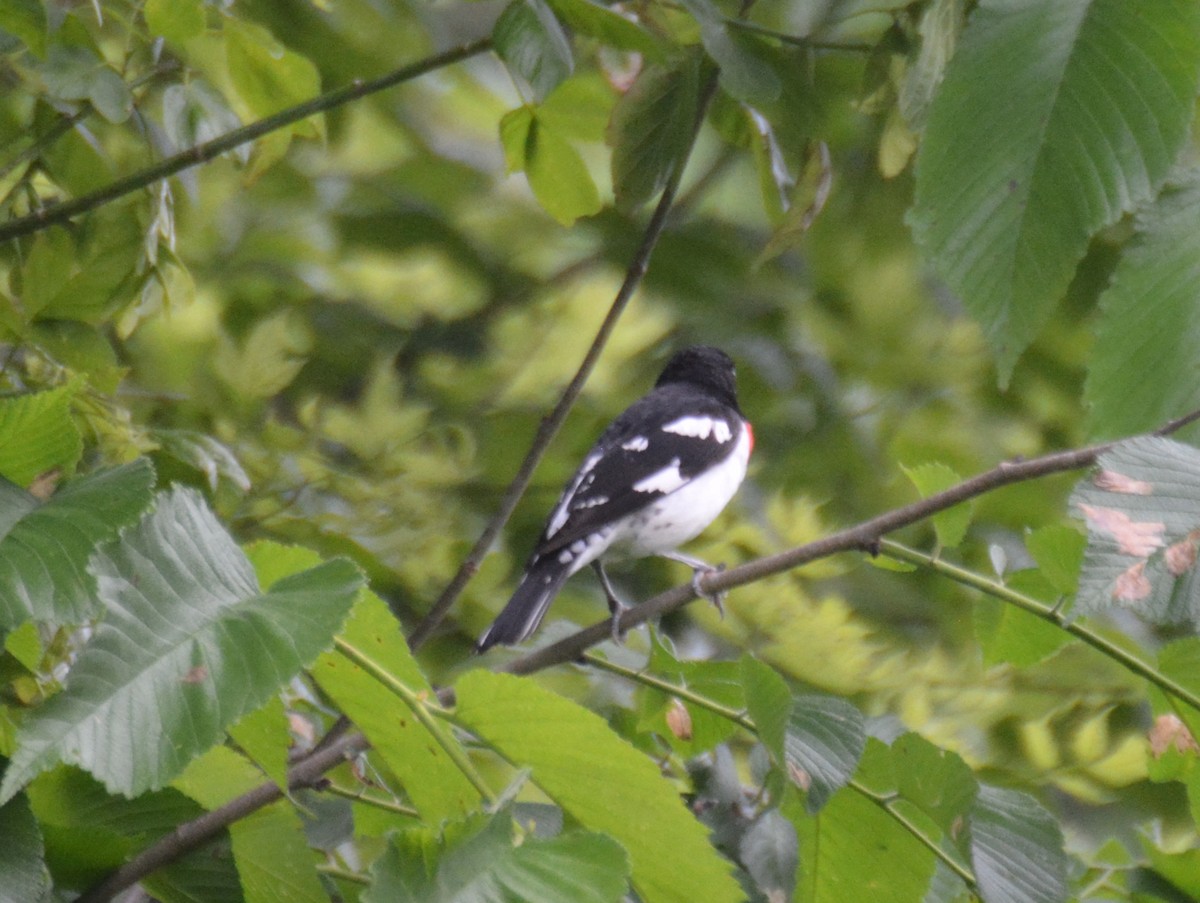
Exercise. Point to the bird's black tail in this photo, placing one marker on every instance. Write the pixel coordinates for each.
(525, 610)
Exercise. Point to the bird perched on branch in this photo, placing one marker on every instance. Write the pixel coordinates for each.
(660, 474)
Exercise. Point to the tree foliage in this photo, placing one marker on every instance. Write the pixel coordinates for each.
(307, 310)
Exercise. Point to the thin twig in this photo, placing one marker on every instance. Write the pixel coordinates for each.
(551, 424)
(201, 153)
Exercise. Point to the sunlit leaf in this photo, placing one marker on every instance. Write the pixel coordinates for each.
(950, 525)
(188, 646)
(558, 176)
(1036, 140)
(38, 434)
(577, 760)
(176, 20)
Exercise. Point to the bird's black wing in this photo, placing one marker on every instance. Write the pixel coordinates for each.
(638, 460)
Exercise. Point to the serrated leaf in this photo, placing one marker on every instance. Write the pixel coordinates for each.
(651, 130)
(478, 863)
(37, 434)
(950, 525)
(935, 780)
(743, 73)
(769, 702)
(45, 547)
(22, 854)
(1142, 511)
(189, 644)
(577, 761)
(558, 176)
(533, 45)
(1036, 140)
(1149, 320)
(1016, 849)
(435, 785)
(269, 848)
(825, 739)
(607, 26)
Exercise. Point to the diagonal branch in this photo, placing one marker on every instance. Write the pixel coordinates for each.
(864, 536)
(201, 153)
(552, 422)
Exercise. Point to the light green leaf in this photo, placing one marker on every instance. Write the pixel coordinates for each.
(744, 73)
(607, 26)
(577, 761)
(651, 130)
(263, 736)
(1180, 661)
(1142, 510)
(769, 703)
(22, 854)
(269, 847)
(478, 863)
(176, 20)
(26, 20)
(950, 525)
(25, 645)
(1058, 550)
(1037, 139)
(515, 126)
(189, 645)
(935, 780)
(436, 787)
(45, 547)
(558, 176)
(1016, 849)
(533, 45)
(46, 270)
(38, 434)
(211, 457)
(1149, 321)
(579, 108)
(825, 740)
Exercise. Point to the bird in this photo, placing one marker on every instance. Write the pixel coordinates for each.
(658, 475)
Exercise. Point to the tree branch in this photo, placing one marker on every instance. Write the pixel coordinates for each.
(201, 153)
(550, 424)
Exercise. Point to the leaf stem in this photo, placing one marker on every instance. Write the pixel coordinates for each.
(424, 712)
(1052, 614)
(359, 796)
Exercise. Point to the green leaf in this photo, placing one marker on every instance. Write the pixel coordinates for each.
(1142, 510)
(38, 434)
(26, 20)
(936, 780)
(720, 681)
(1036, 140)
(578, 761)
(825, 740)
(950, 525)
(478, 863)
(110, 95)
(25, 645)
(533, 45)
(45, 547)
(854, 850)
(189, 645)
(269, 847)
(1180, 661)
(558, 176)
(46, 270)
(1150, 321)
(263, 736)
(515, 126)
(769, 702)
(651, 130)
(176, 20)
(435, 785)
(1058, 551)
(744, 72)
(579, 108)
(21, 854)
(608, 27)
(1016, 849)
(211, 457)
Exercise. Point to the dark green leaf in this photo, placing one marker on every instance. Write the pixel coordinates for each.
(825, 739)
(25, 19)
(1142, 510)
(1150, 321)
(769, 702)
(189, 645)
(25, 878)
(607, 26)
(1016, 848)
(578, 761)
(1036, 140)
(651, 130)
(744, 72)
(45, 548)
(533, 45)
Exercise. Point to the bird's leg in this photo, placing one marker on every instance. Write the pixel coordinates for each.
(700, 569)
(615, 605)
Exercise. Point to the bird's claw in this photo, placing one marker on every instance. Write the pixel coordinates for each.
(717, 598)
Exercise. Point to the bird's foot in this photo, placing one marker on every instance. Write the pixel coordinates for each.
(617, 608)
(717, 598)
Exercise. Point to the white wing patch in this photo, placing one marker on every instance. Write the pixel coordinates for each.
(563, 510)
(701, 428)
(665, 480)
(637, 443)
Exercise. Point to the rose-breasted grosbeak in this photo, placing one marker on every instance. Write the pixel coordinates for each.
(659, 474)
